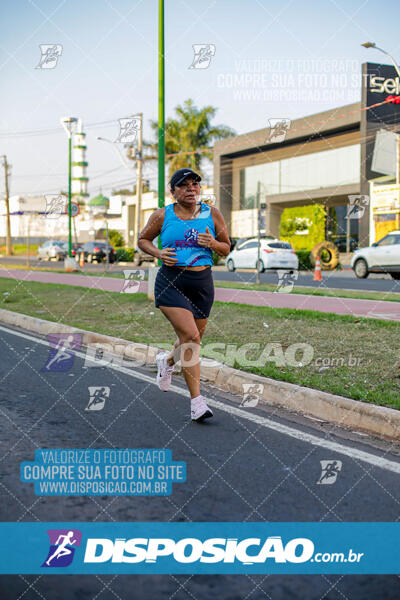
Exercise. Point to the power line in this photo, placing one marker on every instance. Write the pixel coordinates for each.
(34, 132)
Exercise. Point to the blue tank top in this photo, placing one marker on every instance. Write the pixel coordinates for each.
(182, 236)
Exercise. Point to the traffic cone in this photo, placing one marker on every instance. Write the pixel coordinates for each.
(82, 260)
(317, 270)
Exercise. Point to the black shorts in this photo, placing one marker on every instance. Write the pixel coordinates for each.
(193, 290)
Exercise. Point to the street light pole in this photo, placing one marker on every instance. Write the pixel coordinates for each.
(139, 181)
(69, 197)
(161, 108)
(258, 230)
(161, 112)
(373, 45)
(68, 123)
(396, 66)
(7, 202)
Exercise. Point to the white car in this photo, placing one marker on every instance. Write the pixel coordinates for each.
(274, 254)
(381, 257)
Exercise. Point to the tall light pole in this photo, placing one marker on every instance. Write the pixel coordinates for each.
(396, 66)
(139, 181)
(373, 45)
(161, 111)
(68, 124)
(258, 231)
(6, 166)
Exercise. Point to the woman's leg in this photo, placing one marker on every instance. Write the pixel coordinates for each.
(188, 345)
(173, 356)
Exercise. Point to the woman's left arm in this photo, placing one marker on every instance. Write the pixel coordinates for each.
(221, 244)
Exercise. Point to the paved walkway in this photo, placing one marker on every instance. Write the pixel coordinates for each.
(377, 309)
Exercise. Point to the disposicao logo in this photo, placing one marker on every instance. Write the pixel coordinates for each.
(191, 550)
(62, 547)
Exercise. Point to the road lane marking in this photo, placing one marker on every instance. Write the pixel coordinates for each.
(291, 431)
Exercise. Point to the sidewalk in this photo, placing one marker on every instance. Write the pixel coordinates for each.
(377, 309)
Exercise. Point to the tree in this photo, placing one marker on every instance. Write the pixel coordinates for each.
(116, 239)
(189, 137)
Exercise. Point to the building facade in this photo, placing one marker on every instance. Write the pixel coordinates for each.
(320, 159)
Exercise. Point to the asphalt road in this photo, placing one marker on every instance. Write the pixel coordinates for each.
(240, 467)
(345, 279)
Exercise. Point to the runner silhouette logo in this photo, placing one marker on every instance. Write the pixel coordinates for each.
(62, 351)
(63, 543)
(191, 235)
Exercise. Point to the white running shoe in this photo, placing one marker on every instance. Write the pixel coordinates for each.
(199, 409)
(164, 372)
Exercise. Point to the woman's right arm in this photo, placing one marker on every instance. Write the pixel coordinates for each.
(150, 231)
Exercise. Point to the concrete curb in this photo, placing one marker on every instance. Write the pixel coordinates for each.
(351, 414)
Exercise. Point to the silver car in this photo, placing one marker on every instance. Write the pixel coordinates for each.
(274, 254)
(52, 249)
(381, 257)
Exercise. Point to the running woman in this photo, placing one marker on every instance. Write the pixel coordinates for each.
(184, 290)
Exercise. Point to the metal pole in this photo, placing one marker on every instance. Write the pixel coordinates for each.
(391, 58)
(258, 231)
(8, 222)
(108, 242)
(139, 182)
(398, 172)
(348, 229)
(398, 159)
(69, 197)
(161, 112)
(28, 235)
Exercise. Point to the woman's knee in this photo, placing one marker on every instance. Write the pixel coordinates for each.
(190, 337)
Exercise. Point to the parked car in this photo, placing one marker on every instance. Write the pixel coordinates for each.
(97, 251)
(341, 245)
(52, 249)
(76, 249)
(237, 241)
(274, 254)
(141, 257)
(381, 257)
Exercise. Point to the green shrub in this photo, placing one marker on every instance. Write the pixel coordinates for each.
(125, 254)
(116, 239)
(304, 260)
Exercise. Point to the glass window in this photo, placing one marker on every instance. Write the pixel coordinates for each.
(387, 241)
(334, 167)
(247, 245)
(280, 245)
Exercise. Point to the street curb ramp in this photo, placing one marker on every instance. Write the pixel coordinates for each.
(375, 420)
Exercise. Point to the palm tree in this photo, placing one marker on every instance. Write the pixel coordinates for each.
(189, 137)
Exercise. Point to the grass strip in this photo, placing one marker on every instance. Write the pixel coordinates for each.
(351, 356)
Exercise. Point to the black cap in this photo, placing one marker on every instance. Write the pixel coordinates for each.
(181, 174)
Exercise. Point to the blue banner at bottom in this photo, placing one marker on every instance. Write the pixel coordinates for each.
(218, 548)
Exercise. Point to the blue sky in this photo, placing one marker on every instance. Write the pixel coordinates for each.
(272, 59)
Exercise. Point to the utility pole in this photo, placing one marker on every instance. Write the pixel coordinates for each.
(258, 230)
(139, 180)
(68, 123)
(348, 225)
(398, 158)
(161, 111)
(7, 200)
